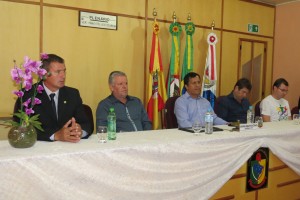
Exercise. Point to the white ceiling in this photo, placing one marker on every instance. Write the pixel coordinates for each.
(276, 2)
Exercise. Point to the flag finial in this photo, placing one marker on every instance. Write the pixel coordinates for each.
(213, 25)
(174, 17)
(189, 17)
(154, 13)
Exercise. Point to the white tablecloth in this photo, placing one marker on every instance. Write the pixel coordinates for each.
(164, 164)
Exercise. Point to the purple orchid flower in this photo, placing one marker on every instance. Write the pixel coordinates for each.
(18, 93)
(39, 89)
(37, 101)
(31, 64)
(35, 66)
(27, 84)
(29, 111)
(41, 73)
(44, 56)
(26, 103)
(17, 75)
(27, 62)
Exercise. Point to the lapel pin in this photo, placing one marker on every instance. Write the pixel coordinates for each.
(65, 102)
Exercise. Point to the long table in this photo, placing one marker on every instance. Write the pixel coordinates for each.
(162, 164)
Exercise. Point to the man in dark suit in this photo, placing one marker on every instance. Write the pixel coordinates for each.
(61, 111)
(234, 106)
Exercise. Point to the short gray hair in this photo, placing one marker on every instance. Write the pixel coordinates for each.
(113, 74)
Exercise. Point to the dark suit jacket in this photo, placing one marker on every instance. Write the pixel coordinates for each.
(69, 105)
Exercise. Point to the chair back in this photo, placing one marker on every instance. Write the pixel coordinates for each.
(294, 111)
(89, 114)
(257, 109)
(217, 102)
(170, 118)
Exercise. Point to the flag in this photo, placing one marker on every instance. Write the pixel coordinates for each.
(173, 86)
(156, 89)
(188, 59)
(210, 71)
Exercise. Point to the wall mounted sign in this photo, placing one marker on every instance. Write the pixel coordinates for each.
(258, 170)
(96, 20)
(253, 28)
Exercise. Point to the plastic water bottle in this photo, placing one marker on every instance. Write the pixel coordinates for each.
(209, 120)
(111, 125)
(250, 115)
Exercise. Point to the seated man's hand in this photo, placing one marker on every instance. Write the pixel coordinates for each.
(69, 134)
(76, 128)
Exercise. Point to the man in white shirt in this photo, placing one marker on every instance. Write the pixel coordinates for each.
(274, 107)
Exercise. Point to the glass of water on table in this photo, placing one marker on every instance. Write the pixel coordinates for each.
(102, 134)
(197, 127)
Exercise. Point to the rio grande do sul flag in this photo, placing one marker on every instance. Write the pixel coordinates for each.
(156, 89)
(173, 86)
(210, 71)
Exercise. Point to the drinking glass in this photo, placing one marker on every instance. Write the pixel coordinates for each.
(259, 121)
(197, 127)
(102, 133)
(296, 119)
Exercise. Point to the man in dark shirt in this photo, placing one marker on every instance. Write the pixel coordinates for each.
(130, 112)
(234, 106)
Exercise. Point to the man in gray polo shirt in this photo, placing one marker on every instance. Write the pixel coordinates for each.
(130, 112)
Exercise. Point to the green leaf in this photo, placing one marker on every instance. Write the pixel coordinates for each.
(12, 123)
(34, 117)
(38, 127)
(19, 115)
(34, 122)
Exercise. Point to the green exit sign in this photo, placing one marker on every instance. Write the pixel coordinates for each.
(253, 28)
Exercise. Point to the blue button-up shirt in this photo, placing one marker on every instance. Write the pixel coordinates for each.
(188, 110)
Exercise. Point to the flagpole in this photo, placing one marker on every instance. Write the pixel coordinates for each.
(154, 13)
(174, 16)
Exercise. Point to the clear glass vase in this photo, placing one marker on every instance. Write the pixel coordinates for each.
(22, 136)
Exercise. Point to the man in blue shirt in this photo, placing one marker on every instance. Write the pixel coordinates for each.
(130, 112)
(234, 106)
(191, 107)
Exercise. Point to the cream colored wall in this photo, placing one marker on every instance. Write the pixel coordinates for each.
(287, 49)
(91, 54)
(19, 36)
(238, 14)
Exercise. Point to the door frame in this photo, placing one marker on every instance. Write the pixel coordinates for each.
(265, 43)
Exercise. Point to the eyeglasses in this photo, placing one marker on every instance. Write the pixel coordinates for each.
(58, 72)
(283, 90)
